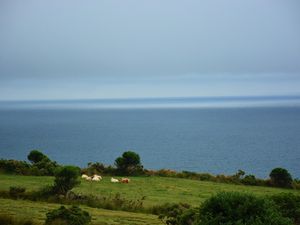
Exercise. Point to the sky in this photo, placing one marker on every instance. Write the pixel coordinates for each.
(136, 48)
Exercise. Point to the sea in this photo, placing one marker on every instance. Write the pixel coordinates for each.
(217, 135)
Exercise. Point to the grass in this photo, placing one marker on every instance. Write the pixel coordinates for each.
(38, 210)
(157, 190)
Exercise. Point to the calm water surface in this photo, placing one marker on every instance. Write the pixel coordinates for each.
(215, 140)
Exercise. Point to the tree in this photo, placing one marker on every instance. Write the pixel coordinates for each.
(66, 178)
(280, 177)
(230, 208)
(36, 156)
(129, 163)
(42, 165)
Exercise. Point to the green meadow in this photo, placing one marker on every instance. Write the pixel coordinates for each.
(37, 211)
(155, 190)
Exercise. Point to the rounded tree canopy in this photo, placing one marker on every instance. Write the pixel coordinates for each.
(128, 158)
(67, 172)
(281, 177)
(36, 156)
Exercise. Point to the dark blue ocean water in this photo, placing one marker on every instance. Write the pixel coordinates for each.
(204, 139)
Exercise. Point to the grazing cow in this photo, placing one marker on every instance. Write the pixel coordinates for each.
(97, 177)
(84, 176)
(125, 180)
(113, 180)
(88, 178)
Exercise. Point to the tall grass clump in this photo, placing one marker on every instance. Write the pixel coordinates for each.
(13, 220)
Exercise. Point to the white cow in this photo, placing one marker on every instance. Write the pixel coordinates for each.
(113, 180)
(84, 176)
(96, 179)
(97, 176)
(88, 178)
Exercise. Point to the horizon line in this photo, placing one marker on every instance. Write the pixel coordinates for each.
(156, 98)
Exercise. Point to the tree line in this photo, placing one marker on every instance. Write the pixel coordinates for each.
(129, 164)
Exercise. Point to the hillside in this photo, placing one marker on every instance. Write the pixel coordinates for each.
(38, 210)
(156, 190)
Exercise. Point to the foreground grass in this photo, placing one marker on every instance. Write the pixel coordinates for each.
(37, 211)
(156, 190)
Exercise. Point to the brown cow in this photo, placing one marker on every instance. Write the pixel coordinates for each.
(125, 180)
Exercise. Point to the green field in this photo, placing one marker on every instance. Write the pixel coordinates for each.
(38, 210)
(157, 190)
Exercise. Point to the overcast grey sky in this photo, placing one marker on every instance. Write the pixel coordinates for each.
(135, 48)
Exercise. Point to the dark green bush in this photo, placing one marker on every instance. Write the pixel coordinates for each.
(280, 177)
(15, 167)
(289, 205)
(16, 191)
(42, 165)
(129, 164)
(68, 216)
(206, 177)
(249, 180)
(234, 208)
(45, 167)
(66, 177)
(176, 214)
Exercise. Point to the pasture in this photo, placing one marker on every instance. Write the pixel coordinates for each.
(155, 190)
(38, 210)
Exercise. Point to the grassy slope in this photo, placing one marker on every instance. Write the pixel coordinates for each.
(38, 210)
(158, 190)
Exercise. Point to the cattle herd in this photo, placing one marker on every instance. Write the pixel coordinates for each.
(96, 177)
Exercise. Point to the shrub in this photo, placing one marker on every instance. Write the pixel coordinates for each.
(296, 184)
(239, 174)
(228, 208)
(68, 216)
(249, 180)
(206, 177)
(281, 178)
(45, 167)
(166, 173)
(227, 179)
(289, 205)
(42, 165)
(16, 191)
(188, 174)
(66, 178)
(15, 167)
(129, 164)
(99, 168)
(176, 214)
